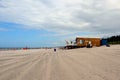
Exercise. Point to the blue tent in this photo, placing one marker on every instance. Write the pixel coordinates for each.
(104, 42)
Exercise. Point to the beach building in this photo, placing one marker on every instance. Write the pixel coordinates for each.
(83, 42)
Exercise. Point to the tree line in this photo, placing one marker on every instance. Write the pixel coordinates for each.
(114, 39)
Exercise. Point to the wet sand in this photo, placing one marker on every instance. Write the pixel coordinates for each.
(98, 63)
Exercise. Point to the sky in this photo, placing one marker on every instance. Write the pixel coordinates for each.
(48, 23)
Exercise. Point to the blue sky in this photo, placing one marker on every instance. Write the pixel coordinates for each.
(45, 23)
(13, 36)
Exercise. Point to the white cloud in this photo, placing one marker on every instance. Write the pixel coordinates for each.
(113, 4)
(63, 16)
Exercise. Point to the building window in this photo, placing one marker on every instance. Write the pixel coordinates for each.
(81, 41)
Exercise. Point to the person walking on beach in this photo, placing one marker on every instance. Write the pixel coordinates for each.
(54, 49)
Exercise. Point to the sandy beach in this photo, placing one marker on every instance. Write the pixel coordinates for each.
(97, 63)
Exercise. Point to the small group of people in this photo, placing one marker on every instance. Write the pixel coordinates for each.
(89, 45)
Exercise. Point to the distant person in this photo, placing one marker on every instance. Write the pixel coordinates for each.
(54, 49)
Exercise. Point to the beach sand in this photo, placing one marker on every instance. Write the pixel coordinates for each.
(97, 63)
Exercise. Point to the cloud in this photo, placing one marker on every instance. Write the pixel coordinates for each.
(64, 16)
